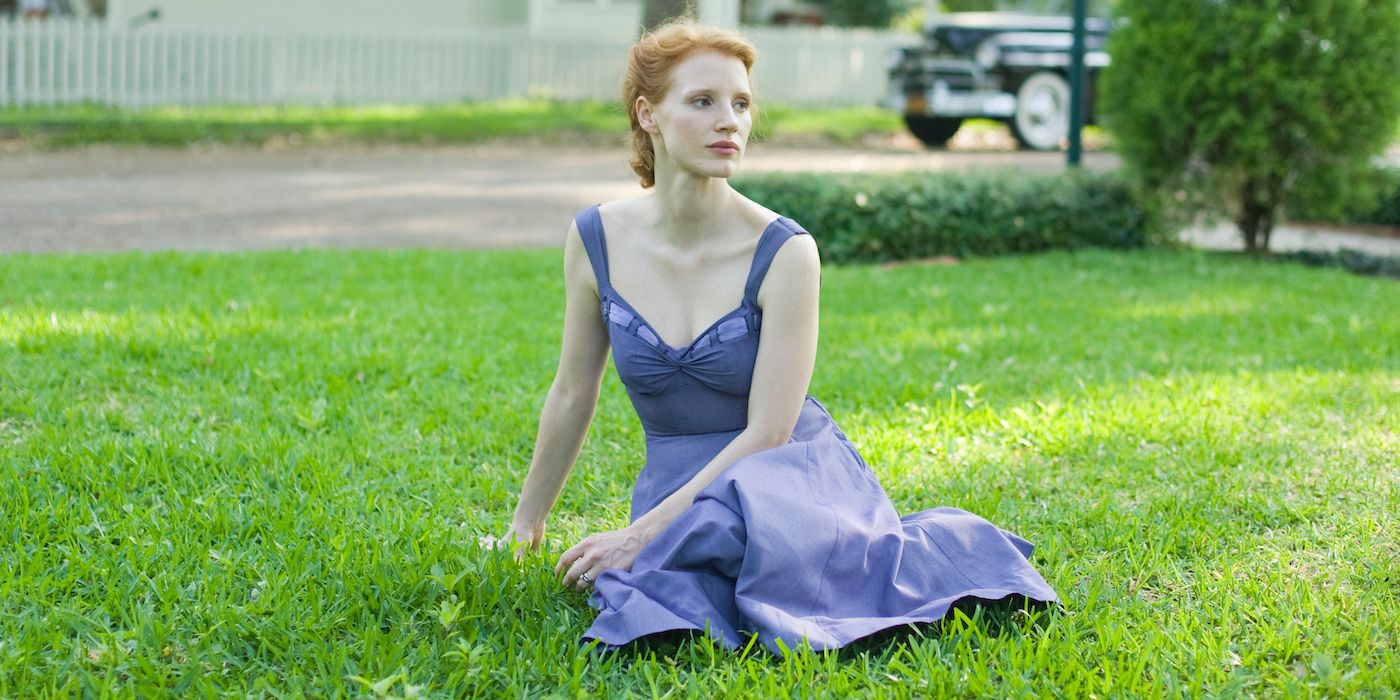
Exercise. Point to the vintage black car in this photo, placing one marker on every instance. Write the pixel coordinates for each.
(1009, 67)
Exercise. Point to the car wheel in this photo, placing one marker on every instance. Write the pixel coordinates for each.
(1041, 121)
(933, 131)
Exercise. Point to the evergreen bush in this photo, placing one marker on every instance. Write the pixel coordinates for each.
(1244, 108)
(1383, 211)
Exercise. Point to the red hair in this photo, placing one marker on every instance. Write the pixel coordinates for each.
(649, 65)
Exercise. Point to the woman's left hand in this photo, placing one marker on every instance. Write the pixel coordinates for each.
(582, 563)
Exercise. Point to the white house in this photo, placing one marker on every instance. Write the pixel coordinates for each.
(614, 18)
(191, 52)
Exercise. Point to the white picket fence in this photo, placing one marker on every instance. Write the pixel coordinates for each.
(72, 61)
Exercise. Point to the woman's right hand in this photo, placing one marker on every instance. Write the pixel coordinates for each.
(519, 538)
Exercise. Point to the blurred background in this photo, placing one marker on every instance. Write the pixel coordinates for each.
(1229, 121)
(135, 53)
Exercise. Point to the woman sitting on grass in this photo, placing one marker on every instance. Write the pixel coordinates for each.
(753, 514)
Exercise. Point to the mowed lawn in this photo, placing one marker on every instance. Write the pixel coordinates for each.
(266, 474)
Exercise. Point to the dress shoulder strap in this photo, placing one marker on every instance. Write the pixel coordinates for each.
(773, 238)
(590, 229)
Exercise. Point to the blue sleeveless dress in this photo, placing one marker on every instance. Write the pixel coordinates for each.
(799, 541)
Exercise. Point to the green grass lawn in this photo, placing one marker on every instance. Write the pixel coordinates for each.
(266, 474)
(554, 121)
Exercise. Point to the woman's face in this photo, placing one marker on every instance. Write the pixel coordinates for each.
(703, 122)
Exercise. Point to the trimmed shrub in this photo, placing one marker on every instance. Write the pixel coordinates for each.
(1242, 109)
(1356, 261)
(911, 215)
(1385, 211)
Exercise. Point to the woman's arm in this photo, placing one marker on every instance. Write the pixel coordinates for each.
(572, 398)
(787, 351)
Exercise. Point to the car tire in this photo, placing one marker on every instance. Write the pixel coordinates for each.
(1041, 121)
(933, 131)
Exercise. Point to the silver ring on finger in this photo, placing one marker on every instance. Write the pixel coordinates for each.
(585, 578)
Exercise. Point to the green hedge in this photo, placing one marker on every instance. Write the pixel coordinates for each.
(1357, 261)
(1385, 212)
(912, 215)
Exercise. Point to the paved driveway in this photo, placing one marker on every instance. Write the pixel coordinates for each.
(486, 196)
(111, 199)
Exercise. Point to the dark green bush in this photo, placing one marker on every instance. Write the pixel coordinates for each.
(1388, 211)
(1242, 109)
(1360, 262)
(1385, 211)
(911, 215)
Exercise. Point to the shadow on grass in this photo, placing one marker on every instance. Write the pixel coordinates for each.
(1013, 615)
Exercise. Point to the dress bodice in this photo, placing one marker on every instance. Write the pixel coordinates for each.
(702, 387)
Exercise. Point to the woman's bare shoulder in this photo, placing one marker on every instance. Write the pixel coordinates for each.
(795, 274)
(756, 214)
(797, 256)
(626, 208)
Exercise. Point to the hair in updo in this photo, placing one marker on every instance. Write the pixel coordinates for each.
(649, 65)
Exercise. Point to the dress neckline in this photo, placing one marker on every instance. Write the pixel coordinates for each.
(618, 298)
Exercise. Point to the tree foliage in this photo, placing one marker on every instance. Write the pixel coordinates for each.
(658, 12)
(1239, 107)
(863, 13)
